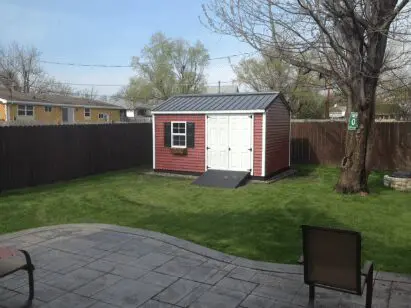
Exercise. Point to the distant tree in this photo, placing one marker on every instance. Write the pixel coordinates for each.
(273, 74)
(90, 94)
(395, 89)
(49, 85)
(168, 66)
(103, 98)
(138, 90)
(10, 80)
(18, 62)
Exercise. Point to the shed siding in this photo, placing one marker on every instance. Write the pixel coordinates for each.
(194, 161)
(258, 144)
(277, 138)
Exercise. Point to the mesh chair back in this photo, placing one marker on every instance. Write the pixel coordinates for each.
(332, 258)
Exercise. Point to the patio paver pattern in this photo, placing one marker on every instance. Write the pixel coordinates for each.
(94, 265)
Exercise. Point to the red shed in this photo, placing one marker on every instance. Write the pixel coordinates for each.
(237, 132)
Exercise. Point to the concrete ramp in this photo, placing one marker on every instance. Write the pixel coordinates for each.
(222, 178)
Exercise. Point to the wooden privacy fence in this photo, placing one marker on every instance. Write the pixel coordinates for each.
(323, 143)
(33, 155)
(45, 154)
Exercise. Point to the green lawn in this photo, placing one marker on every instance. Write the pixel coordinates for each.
(258, 221)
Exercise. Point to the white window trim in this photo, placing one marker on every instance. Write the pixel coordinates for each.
(206, 141)
(154, 141)
(264, 136)
(179, 134)
(25, 111)
(289, 143)
(89, 112)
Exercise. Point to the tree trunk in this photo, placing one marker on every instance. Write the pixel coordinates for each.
(356, 163)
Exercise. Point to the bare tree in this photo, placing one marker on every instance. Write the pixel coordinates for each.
(49, 85)
(8, 70)
(90, 94)
(18, 62)
(9, 79)
(22, 63)
(344, 41)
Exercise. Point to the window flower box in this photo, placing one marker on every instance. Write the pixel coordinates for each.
(179, 151)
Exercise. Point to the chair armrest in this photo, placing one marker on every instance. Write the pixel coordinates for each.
(28, 259)
(301, 260)
(368, 268)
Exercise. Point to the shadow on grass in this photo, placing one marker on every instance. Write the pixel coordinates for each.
(305, 170)
(376, 182)
(89, 179)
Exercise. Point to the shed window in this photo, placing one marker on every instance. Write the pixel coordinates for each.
(87, 112)
(47, 108)
(25, 110)
(178, 134)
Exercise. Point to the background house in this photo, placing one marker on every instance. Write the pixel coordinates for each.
(28, 108)
(135, 111)
(337, 112)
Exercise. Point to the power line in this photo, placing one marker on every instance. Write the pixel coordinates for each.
(128, 66)
(121, 85)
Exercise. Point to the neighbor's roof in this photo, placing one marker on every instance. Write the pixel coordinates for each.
(57, 100)
(218, 102)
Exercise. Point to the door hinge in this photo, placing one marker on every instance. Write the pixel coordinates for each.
(251, 116)
(229, 149)
(208, 167)
(250, 149)
(207, 148)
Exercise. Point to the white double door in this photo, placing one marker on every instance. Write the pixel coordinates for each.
(229, 142)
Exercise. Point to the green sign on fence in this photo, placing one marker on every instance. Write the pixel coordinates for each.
(353, 121)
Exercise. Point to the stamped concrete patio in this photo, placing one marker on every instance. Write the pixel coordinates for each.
(110, 266)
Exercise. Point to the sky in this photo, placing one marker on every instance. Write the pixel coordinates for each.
(109, 32)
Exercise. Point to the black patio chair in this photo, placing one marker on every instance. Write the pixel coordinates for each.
(11, 262)
(332, 260)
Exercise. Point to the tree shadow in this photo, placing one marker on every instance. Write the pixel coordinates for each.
(376, 182)
(304, 170)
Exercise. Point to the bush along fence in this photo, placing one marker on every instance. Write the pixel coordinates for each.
(34, 155)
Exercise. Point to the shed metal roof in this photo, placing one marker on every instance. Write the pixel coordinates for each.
(217, 102)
